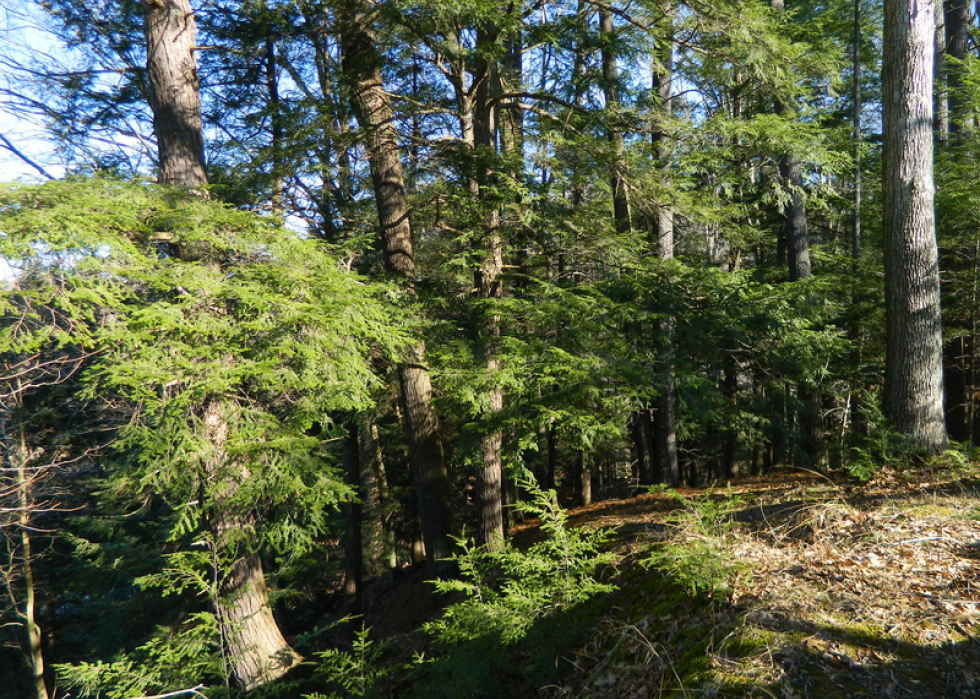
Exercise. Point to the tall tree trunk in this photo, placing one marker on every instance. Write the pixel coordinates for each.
(794, 217)
(175, 96)
(958, 24)
(354, 519)
(913, 396)
(257, 651)
(610, 89)
(488, 287)
(372, 105)
(665, 415)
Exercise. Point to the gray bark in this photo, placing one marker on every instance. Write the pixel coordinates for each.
(487, 288)
(175, 98)
(665, 416)
(913, 395)
(257, 651)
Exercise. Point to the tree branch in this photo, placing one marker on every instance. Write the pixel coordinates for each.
(13, 149)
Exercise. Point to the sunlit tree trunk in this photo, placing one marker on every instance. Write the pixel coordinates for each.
(913, 396)
(175, 97)
(372, 107)
(665, 415)
(257, 651)
(488, 287)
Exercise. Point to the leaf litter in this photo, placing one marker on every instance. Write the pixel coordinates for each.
(849, 591)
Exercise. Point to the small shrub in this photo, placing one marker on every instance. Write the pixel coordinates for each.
(698, 556)
(508, 590)
(355, 672)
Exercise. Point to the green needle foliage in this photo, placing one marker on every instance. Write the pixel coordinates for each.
(508, 590)
(172, 301)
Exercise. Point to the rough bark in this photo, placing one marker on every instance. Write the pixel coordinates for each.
(794, 220)
(487, 287)
(913, 395)
(361, 62)
(257, 651)
(175, 98)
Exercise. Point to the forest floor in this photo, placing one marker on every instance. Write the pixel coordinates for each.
(829, 591)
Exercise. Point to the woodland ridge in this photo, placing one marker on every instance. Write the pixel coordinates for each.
(490, 349)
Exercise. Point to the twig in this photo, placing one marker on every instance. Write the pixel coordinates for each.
(196, 691)
(13, 149)
(925, 538)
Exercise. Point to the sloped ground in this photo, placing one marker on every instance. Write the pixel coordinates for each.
(840, 592)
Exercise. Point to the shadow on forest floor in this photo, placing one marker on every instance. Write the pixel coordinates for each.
(844, 591)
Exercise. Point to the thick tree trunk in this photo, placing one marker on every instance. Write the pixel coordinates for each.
(487, 288)
(795, 224)
(913, 396)
(257, 651)
(175, 97)
(362, 64)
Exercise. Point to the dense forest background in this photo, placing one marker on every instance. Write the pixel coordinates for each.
(332, 289)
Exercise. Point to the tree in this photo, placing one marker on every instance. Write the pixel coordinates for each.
(258, 651)
(913, 396)
(372, 105)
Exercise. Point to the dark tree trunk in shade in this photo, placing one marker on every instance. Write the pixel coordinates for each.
(642, 430)
(582, 486)
(379, 546)
(361, 61)
(354, 519)
(610, 89)
(729, 463)
(257, 651)
(175, 97)
(795, 222)
(913, 394)
(958, 23)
